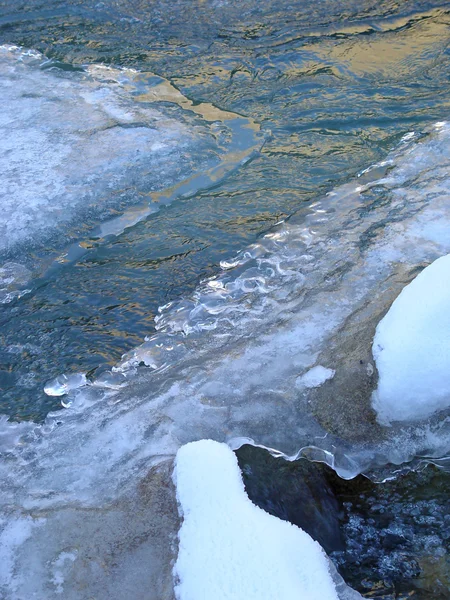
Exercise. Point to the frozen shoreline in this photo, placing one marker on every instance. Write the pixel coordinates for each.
(224, 365)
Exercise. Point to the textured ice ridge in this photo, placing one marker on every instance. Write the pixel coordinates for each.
(240, 346)
(293, 259)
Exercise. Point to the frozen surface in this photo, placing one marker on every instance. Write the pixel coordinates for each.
(412, 348)
(72, 141)
(13, 280)
(231, 549)
(224, 365)
(315, 377)
(86, 153)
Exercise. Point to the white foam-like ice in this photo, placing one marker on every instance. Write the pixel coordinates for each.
(412, 348)
(231, 549)
(315, 377)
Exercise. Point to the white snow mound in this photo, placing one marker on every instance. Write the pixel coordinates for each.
(412, 348)
(231, 549)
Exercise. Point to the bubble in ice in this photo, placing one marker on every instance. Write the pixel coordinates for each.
(65, 383)
(156, 352)
(110, 380)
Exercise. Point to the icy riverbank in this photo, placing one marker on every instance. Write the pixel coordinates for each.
(225, 365)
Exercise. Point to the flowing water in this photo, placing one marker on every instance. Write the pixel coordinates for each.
(151, 155)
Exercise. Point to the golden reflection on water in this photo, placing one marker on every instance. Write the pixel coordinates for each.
(166, 92)
(391, 55)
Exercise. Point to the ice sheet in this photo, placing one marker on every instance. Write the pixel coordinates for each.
(71, 142)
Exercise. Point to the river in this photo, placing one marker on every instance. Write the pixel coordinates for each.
(246, 189)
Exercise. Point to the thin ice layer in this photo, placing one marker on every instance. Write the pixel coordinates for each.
(224, 365)
(230, 548)
(77, 146)
(412, 348)
(95, 151)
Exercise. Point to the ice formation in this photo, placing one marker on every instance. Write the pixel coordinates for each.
(13, 280)
(315, 377)
(412, 348)
(224, 365)
(230, 548)
(79, 142)
(94, 152)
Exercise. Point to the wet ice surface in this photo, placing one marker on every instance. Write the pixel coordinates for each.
(93, 143)
(224, 365)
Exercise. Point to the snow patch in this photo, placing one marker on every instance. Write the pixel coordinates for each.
(13, 533)
(315, 377)
(229, 548)
(412, 348)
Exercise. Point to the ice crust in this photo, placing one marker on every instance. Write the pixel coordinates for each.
(315, 377)
(412, 348)
(231, 549)
(79, 141)
(224, 365)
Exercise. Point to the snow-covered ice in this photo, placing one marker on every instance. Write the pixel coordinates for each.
(315, 377)
(229, 549)
(412, 348)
